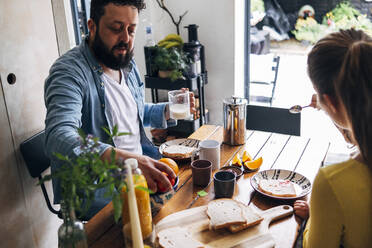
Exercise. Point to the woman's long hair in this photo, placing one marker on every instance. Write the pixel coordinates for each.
(340, 65)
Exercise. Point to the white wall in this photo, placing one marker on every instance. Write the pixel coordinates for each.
(28, 49)
(216, 33)
(239, 18)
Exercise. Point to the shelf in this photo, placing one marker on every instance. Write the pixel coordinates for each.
(167, 84)
(195, 84)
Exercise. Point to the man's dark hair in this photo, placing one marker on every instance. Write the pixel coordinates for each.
(97, 7)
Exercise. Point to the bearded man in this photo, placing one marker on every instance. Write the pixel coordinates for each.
(96, 85)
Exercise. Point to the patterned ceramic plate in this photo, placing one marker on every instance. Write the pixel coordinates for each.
(180, 142)
(302, 184)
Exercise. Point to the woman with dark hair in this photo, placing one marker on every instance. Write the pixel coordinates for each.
(340, 212)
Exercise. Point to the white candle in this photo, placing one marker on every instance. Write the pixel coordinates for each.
(133, 211)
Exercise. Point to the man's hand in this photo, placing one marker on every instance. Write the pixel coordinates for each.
(150, 168)
(192, 100)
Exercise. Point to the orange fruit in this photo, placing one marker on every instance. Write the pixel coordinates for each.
(236, 160)
(246, 157)
(253, 165)
(171, 163)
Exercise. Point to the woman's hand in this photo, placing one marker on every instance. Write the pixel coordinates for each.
(314, 101)
(301, 209)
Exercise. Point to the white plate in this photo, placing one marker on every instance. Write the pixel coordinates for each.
(180, 142)
(302, 184)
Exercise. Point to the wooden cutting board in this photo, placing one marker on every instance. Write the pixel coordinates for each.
(197, 223)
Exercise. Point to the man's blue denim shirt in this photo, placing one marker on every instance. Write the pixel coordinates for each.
(74, 96)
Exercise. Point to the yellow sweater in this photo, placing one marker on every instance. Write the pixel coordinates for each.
(341, 207)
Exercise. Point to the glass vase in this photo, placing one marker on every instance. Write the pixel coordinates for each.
(71, 233)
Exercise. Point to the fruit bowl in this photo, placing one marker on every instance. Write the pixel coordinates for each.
(158, 199)
(176, 181)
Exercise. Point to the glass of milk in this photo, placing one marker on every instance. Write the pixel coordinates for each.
(179, 104)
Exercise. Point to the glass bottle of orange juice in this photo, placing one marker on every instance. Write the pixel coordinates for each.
(143, 202)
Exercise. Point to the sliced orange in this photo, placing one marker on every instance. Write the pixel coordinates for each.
(236, 160)
(246, 157)
(254, 164)
(171, 163)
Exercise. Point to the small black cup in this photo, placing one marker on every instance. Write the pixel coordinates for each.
(224, 184)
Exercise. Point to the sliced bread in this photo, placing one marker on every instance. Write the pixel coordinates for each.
(178, 151)
(177, 237)
(282, 188)
(251, 217)
(224, 213)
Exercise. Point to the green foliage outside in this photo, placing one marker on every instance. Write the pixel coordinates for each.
(343, 16)
(309, 30)
(257, 5)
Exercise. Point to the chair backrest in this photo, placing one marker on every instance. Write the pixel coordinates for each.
(263, 74)
(33, 153)
(275, 67)
(264, 68)
(270, 119)
(37, 162)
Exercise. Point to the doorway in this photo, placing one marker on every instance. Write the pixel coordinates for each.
(292, 85)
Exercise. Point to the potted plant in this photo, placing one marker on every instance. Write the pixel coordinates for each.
(79, 179)
(169, 59)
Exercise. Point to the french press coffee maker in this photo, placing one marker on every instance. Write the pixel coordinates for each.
(234, 120)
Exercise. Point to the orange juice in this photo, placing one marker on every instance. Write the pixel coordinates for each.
(143, 204)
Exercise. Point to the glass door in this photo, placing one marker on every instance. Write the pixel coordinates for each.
(261, 69)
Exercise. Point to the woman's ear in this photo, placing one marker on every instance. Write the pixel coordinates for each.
(330, 103)
(336, 111)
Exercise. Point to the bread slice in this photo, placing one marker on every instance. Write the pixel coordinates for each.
(251, 217)
(281, 188)
(177, 237)
(224, 213)
(178, 151)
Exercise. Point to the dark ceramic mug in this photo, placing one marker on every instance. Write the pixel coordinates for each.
(201, 172)
(224, 184)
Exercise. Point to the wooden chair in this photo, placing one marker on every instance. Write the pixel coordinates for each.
(264, 74)
(37, 162)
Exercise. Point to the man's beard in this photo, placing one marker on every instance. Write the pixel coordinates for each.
(107, 57)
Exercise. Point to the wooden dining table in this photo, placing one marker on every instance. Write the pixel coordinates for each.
(303, 155)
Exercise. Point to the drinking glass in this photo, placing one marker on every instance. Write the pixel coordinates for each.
(179, 104)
